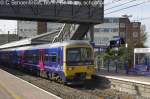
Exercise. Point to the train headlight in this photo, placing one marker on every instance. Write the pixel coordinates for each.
(70, 68)
(88, 67)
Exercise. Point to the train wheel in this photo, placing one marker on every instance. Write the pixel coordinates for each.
(43, 74)
(50, 76)
(38, 73)
(47, 75)
(60, 80)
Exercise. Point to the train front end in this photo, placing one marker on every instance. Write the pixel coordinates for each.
(78, 63)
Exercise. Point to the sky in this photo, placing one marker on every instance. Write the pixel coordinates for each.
(137, 12)
(8, 25)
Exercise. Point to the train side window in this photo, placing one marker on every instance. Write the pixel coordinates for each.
(34, 58)
(29, 57)
(59, 57)
(53, 57)
(37, 56)
(46, 59)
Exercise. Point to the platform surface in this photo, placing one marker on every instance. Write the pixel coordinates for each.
(125, 77)
(12, 87)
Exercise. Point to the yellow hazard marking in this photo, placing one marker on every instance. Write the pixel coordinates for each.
(3, 86)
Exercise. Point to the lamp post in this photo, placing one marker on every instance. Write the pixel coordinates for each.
(116, 60)
(126, 44)
(8, 40)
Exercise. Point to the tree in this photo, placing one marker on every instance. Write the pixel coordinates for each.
(110, 55)
(143, 37)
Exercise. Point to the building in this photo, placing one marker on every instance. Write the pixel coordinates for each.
(105, 32)
(112, 26)
(117, 26)
(28, 29)
(131, 29)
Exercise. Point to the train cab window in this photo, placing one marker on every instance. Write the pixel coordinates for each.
(53, 57)
(79, 56)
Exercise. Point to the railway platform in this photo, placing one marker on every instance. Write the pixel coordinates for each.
(12, 87)
(131, 83)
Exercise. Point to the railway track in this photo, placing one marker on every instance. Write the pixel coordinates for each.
(95, 89)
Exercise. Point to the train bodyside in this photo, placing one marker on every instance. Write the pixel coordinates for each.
(53, 61)
(47, 59)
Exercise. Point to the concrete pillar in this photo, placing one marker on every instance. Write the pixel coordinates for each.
(91, 31)
(41, 27)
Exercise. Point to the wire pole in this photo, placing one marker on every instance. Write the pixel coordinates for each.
(8, 37)
(126, 47)
(126, 44)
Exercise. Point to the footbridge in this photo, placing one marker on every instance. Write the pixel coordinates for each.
(65, 11)
(84, 13)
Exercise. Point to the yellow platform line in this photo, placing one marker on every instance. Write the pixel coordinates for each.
(10, 92)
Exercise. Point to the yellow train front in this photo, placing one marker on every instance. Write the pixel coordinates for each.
(78, 62)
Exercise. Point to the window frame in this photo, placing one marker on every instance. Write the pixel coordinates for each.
(50, 54)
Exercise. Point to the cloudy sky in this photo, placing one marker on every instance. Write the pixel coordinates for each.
(138, 12)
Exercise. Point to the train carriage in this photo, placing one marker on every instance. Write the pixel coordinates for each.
(67, 62)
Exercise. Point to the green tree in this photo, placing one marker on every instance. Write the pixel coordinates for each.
(143, 37)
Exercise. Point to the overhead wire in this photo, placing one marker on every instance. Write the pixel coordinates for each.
(120, 5)
(109, 3)
(127, 7)
(146, 18)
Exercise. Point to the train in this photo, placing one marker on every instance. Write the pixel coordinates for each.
(68, 62)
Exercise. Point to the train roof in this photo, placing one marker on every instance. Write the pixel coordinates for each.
(29, 41)
(52, 45)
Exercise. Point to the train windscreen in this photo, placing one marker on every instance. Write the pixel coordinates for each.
(79, 56)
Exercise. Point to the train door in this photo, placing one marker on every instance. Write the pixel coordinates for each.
(60, 58)
(41, 59)
(20, 57)
(46, 59)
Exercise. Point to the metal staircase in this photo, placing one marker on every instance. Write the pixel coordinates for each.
(72, 32)
(80, 32)
(65, 33)
(62, 33)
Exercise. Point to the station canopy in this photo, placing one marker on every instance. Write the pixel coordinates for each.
(142, 50)
(142, 57)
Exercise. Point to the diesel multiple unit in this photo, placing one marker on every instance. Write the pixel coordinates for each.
(67, 62)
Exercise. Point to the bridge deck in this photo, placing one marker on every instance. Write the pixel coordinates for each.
(56, 12)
